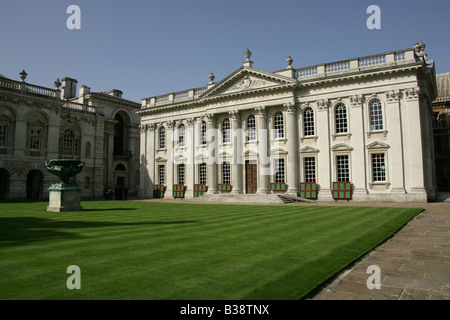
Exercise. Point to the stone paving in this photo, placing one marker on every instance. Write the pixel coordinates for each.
(414, 263)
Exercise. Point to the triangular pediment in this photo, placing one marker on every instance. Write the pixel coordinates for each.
(246, 80)
(377, 145)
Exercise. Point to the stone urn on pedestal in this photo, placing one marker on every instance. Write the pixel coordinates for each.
(64, 196)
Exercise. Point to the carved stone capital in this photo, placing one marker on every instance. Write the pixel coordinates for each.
(412, 93)
(210, 117)
(234, 114)
(261, 111)
(322, 104)
(393, 95)
(289, 107)
(356, 100)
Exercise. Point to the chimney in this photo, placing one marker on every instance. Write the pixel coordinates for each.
(115, 93)
(69, 88)
(84, 90)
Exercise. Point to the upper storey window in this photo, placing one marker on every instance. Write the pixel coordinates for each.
(340, 113)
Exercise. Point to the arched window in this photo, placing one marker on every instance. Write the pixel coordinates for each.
(279, 125)
(181, 136)
(162, 138)
(340, 113)
(251, 128)
(376, 115)
(308, 122)
(226, 130)
(202, 133)
(120, 167)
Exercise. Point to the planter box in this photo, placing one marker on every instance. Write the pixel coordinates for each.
(278, 186)
(307, 190)
(342, 190)
(159, 190)
(200, 189)
(224, 187)
(178, 191)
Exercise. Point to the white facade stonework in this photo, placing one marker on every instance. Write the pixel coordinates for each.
(366, 121)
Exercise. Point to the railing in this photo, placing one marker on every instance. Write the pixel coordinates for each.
(356, 64)
(175, 97)
(80, 107)
(29, 88)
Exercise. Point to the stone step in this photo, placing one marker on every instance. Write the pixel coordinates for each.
(443, 196)
(239, 198)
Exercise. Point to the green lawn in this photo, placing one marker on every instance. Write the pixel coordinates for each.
(154, 250)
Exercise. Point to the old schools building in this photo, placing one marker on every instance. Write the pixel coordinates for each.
(39, 123)
(359, 129)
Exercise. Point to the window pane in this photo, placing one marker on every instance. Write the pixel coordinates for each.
(279, 125)
(35, 139)
(68, 143)
(376, 115)
(203, 133)
(181, 173)
(310, 169)
(202, 173)
(226, 130)
(308, 122)
(378, 167)
(341, 118)
(162, 174)
(226, 172)
(162, 138)
(251, 128)
(343, 172)
(279, 170)
(3, 135)
(181, 136)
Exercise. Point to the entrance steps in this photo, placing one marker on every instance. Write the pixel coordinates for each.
(249, 198)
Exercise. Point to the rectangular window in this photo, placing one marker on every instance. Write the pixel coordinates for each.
(378, 167)
(226, 173)
(162, 174)
(251, 128)
(3, 136)
(343, 170)
(310, 169)
(376, 115)
(181, 173)
(35, 139)
(279, 170)
(202, 172)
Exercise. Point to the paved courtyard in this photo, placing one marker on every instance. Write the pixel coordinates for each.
(414, 263)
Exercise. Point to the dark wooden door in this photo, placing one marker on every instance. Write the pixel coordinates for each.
(250, 176)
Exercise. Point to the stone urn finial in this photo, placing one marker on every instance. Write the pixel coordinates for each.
(23, 75)
(289, 61)
(211, 78)
(247, 54)
(57, 83)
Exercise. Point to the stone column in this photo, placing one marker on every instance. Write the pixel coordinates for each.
(237, 161)
(263, 151)
(211, 140)
(144, 172)
(359, 160)
(395, 162)
(292, 172)
(324, 158)
(151, 145)
(171, 141)
(189, 165)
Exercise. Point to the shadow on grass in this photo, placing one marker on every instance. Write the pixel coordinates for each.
(16, 231)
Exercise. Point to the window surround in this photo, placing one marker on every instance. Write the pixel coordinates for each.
(378, 147)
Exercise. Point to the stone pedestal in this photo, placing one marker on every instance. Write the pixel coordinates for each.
(64, 197)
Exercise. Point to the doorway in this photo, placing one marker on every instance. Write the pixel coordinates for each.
(251, 179)
(4, 184)
(35, 181)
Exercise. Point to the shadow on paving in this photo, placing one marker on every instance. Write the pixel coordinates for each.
(15, 231)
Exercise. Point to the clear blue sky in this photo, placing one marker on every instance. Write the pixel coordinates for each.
(148, 48)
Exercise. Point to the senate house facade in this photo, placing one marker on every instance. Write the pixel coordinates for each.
(358, 129)
(372, 128)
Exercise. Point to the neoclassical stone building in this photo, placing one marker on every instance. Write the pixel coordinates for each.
(39, 123)
(357, 129)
